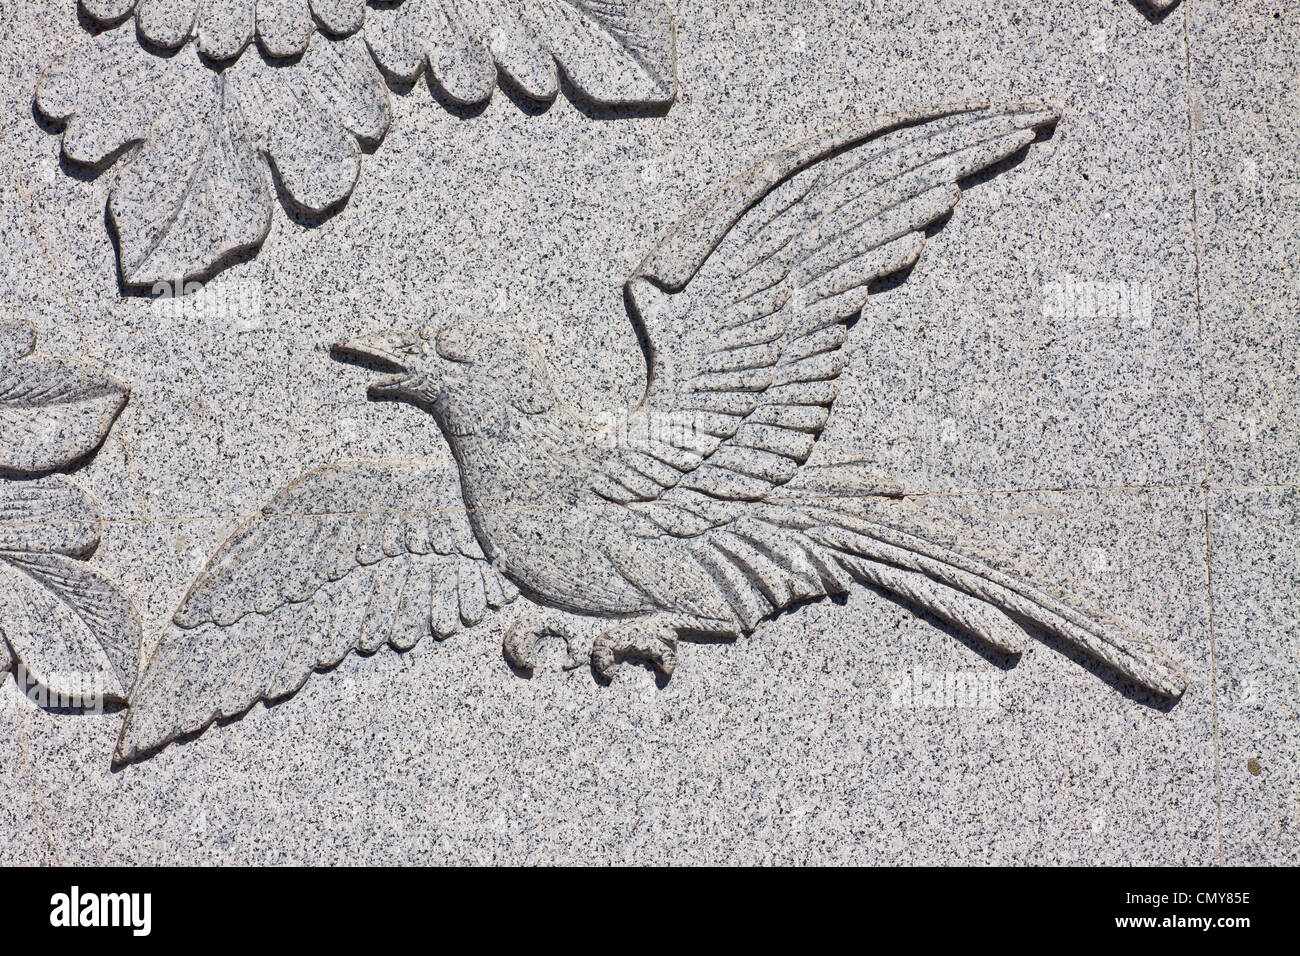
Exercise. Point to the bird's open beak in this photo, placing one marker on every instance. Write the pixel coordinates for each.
(390, 352)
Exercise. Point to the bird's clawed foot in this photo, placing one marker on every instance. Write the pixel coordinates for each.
(639, 640)
(520, 643)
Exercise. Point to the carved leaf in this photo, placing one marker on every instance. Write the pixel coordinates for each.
(47, 516)
(71, 627)
(194, 195)
(310, 116)
(194, 191)
(52, 412)
(198, 191)
(284, 27)
(614, 52)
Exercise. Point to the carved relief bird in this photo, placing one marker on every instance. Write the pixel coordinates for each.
(698, 514)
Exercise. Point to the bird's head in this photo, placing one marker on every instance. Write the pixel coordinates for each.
(471, 374)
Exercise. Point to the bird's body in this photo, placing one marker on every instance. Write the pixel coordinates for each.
(522, 479)
(703, 511)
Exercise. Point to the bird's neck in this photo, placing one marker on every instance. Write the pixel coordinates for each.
(527, 461)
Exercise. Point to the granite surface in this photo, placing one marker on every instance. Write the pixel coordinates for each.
(1093, 363)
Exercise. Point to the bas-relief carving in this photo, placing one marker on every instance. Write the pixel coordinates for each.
(698, 515)
(613, 53)
(216, 127)
(54, 412)
(197, 190)
(70, 627)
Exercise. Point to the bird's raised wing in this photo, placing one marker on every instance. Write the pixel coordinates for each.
(743, 308)
(349, 557)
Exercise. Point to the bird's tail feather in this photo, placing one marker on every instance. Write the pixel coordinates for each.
(899, 546)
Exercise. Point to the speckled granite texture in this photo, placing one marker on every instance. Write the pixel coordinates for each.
(1093, 362)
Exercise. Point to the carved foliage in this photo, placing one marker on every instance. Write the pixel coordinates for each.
(613, 51)
(72, 629)
(199, 189)
(224, 28)
(69, 624)
(213, 127)
(52, 412)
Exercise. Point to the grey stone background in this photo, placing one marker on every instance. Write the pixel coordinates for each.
(1160, 463)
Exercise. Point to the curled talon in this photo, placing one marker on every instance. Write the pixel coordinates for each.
(635, 641)
(520, 642)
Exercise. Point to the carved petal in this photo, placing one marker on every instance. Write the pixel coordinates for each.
(167, 23)
(6, 656)
(225, 27)
(107, 11)
(69, 625)
(340, 17)
(310, 116)
(316, 159)
(53, 413)
(393, 36)
(284, 26)
(613, 51)
(106, 92)
(49, 515)
(342, 76)
(523, 57)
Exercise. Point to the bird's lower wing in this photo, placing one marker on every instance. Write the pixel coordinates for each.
(349, 557)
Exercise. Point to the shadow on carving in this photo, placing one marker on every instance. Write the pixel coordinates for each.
(1155, 11)
(611, 111)
(39, 694)
(1115, 680)
(523, 101)
(461, 111)
(235, 257)
(1003, 662)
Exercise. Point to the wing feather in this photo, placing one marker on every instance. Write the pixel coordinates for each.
(350, 557)
(744, 307)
